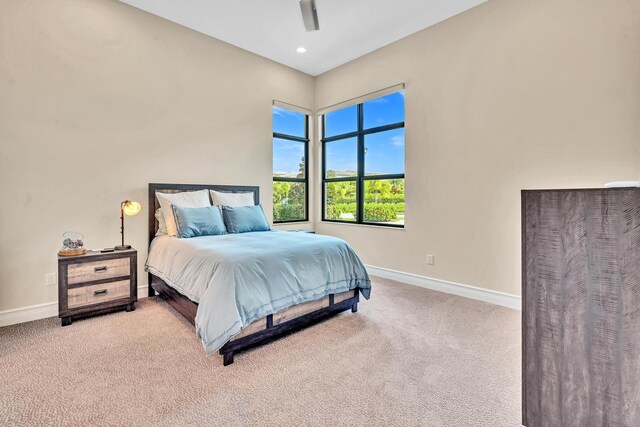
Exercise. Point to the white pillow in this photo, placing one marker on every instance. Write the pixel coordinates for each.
(162, 224)
(187, 199)
(232, 199)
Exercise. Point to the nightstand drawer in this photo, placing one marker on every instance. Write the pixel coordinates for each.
(95, 294)
(89, 271)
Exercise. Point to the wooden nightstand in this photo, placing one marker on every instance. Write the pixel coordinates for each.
(96, 283)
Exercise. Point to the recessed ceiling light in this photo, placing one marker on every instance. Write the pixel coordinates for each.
(301, 50)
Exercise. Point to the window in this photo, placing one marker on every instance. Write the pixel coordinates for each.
(363, 162)
(290, 169)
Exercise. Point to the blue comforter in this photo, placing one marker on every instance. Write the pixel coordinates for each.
(238, 278)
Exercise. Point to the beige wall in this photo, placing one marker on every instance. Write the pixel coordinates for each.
(509, 95)
(97, 99)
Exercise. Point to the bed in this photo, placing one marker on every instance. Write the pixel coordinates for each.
(246, 289)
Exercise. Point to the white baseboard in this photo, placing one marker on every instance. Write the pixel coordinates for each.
(27, 314)
(143, 291)
(493, 297)
(50, 309)
(42, 311)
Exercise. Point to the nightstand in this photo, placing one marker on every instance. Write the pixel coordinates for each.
(96, 283)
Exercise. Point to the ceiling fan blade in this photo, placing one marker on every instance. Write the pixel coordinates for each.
(309, 15)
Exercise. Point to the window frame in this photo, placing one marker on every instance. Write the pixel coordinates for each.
(360, 178)
(305, 180)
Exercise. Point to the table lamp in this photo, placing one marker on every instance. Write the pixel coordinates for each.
(130, 208)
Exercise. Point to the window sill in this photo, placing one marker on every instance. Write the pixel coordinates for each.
(350, 224)
(292, 222)
(295, 224)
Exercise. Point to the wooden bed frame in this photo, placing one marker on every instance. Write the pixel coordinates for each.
(266, 330)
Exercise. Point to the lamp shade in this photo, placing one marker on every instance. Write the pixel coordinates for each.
(130, 207)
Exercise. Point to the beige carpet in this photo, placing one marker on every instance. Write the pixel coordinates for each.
(409, 357)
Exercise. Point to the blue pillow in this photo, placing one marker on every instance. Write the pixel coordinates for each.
(193, 222)
(243, 219)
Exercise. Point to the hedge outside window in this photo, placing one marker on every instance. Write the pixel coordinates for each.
(363, 162)
(290, 168)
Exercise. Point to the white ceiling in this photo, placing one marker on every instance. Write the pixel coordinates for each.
(274, 28)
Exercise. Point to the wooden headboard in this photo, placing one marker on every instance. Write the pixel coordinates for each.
(154, 205)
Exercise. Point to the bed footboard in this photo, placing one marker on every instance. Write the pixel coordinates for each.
(269, 328)
(272, 332)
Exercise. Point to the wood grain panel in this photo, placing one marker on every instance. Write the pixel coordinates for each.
(344, 295)
(95, 294)
(182, 304)
(630, 306)
(581, 307)
(292, 313)
(254, 326)
(98, 270)
(300, 310)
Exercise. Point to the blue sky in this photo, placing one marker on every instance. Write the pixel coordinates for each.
(385, 150)
(287, 155)
(288, 122)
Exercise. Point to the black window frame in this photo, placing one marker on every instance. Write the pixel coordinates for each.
(305, 180)
(360, 177)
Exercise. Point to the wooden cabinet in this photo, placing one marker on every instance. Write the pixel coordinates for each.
(581, 307)
(96, 283)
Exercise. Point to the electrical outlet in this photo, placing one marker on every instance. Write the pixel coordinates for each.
(430, 259)
(51, 279)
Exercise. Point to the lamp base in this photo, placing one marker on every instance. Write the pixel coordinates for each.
(122, 247)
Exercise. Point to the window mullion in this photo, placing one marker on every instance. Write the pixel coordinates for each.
(361, 154)
(290, 137)
(285, 179)
(383, 177)
(323, 171)
(306, 169)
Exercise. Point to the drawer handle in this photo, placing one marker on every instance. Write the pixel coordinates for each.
(100, 269)
(100, 292)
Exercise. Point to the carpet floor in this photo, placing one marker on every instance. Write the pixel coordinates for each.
(409, 357)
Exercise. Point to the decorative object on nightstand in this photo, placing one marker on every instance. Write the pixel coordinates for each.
(130, 208)
(72, 244)
(96, 283)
